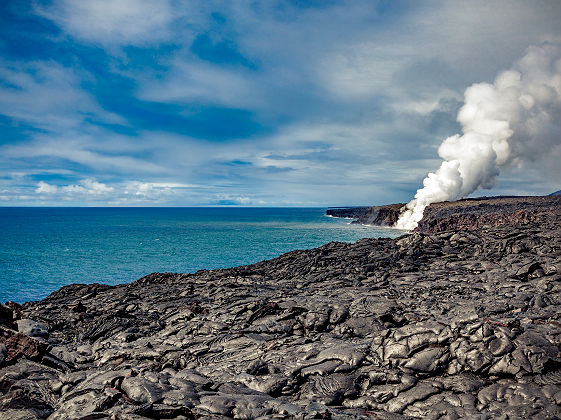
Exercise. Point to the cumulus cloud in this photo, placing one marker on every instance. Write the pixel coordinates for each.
(44, 188)
(155, 190)
(131, 192)
(88, 186)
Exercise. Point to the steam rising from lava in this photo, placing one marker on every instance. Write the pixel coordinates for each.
(516, 118)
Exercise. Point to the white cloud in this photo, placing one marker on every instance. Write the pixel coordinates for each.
(108, 153)
(434, 51)
(350, 95)
(48, 96)
(44, 188)
(229, 199)
(194, 81)
(133, 22)
(152, 190)
(88, 186)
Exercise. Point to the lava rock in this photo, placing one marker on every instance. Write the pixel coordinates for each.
(460, 319)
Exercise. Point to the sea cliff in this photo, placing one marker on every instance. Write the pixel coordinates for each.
(466, 214)
(460, 319)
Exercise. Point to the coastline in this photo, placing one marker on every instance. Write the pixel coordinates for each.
(456, 321)
(48, 248)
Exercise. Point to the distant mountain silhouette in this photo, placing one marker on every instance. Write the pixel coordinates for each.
(556, 193)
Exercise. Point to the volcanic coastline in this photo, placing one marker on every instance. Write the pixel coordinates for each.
(459, 319)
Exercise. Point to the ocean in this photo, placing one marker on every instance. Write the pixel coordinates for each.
(42, 249)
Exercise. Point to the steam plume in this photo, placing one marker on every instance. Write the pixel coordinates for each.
(515, 118)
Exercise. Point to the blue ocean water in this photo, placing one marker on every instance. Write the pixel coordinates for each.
(42, 249)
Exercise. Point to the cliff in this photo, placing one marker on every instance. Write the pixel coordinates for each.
(347, 212)
(451, 324)
(476, 213)
(376, 215)
(467, 214)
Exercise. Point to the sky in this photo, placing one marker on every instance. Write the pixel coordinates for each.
(253, 103)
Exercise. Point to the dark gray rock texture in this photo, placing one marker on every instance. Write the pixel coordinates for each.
(448, 324)
(466, 214)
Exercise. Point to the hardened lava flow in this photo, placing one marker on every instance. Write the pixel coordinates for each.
(459, 319)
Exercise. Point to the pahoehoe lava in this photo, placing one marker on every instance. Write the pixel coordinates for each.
(459, 319)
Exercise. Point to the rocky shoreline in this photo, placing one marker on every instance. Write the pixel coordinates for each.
(466, 214)
(459, 320)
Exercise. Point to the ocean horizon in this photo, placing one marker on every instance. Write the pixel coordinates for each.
(45, 248)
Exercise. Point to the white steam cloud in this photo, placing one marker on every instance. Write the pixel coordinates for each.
(516, 118)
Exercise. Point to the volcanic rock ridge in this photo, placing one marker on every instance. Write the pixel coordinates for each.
(466, 214)
(460, 320)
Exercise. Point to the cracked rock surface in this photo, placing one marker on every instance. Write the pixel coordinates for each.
(451, 324)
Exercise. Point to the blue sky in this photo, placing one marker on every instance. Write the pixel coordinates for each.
(306, 103)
